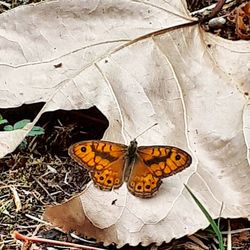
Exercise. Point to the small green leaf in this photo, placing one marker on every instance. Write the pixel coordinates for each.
(21, 124)
(23, 145)
(36, 130)
(8, 128)
(3, 121)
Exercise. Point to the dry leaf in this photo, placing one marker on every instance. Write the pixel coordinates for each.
(179, 79)
(241, 17)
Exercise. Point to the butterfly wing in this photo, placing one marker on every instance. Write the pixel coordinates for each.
(105, 161)
(142, 182)
(164, 161)
(153, 163)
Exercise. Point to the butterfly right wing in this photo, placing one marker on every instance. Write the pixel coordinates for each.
(105, 161)
(152, 163)
(164, 160)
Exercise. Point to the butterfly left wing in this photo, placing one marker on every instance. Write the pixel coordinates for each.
(153, 163)
(105, 160)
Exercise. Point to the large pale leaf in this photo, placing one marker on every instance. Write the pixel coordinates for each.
(192, 83)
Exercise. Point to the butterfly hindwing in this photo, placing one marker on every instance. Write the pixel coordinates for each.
(142, 182)
(111, 177)
(105, 161)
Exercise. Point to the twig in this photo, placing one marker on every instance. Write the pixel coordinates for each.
(37, 229)
(216, 9)
(41, 185)
(63, 190)
(37, 196)
(37, 219)
(25, 227)
(81, 239)
(65, 179)
(198, 242)
(45, 223)
(236, 231)
(8, 5)
(8, 185)
(211, 7)
(30, 240)
(6, 242)
(56, 192)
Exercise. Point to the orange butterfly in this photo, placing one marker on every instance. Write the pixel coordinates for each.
(110, 164)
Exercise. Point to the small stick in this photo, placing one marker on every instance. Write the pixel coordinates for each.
(41, 185)
(216, 9)
(29, 240)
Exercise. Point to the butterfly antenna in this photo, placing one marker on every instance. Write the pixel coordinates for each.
(127, 133)
(146, 130)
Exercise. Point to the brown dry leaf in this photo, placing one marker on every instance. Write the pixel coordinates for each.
(241, 17)
(179, 79)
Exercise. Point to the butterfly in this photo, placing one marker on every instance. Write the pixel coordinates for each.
(111, 164)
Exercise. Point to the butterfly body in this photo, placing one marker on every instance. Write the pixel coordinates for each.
(111, 164)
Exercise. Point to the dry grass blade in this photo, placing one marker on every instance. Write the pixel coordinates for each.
(198, 242)
(229, 237)
(17, 200)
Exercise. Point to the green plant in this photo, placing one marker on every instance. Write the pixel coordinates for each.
(213, 224)
(36, 130)
(2, 121)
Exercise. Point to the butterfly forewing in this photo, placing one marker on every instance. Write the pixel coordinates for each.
(105, 161)
(164, 161)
